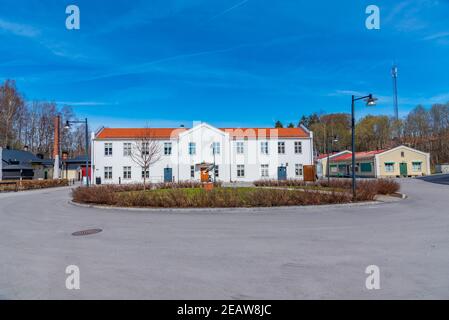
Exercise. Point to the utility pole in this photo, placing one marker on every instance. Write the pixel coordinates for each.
(394, 74)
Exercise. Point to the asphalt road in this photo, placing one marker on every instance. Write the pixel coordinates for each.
(438, 178)
(296, 253)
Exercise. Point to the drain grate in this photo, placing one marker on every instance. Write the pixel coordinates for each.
(86, 232)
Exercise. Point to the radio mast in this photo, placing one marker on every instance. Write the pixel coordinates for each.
(394, 74)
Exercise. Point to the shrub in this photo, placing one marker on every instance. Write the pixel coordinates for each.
(199, 198)
(34, 184)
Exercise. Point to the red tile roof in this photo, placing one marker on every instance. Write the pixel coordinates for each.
(266, 132)
(166, 133)
(358, 155)
(324, 155)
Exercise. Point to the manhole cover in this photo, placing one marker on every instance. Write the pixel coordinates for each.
(86, 232)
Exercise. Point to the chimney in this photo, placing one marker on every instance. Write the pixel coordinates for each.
(57, 126)
(56, 168)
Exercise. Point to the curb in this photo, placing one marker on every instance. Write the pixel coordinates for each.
(342, 205)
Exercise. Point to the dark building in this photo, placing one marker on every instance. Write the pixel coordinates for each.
(22, 164)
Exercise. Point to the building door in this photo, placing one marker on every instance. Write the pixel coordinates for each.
(282, 173)
(403, 169)
(45, 175)
(168, 175)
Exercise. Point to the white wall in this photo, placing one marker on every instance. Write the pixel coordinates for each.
(204, 135)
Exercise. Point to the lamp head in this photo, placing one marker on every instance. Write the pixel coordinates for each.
(67, 125)
(371, 101)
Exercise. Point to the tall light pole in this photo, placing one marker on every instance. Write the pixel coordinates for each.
(67, 126)
(370, 102)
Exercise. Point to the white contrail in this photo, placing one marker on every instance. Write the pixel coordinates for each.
(229, 9)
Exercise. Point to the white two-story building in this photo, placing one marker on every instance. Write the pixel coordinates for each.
(234, 154)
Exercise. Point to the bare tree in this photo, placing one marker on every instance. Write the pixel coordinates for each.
(11, 106)
(145, 151)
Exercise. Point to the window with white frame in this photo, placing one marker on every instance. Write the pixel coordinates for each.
(240, 170)
(192, 148)
(192, 171)
(216, 148)
(126, 172)
(389, 167)
(240, 145)
(145, 148)
(145, 173)
(217, 171)
(298, 147)
(281, 147)
(108, 173)
(108, 149)
(126, 149)
(264, 172)
(299, 170)
(167, 148)
(417, 166)
(264, 147)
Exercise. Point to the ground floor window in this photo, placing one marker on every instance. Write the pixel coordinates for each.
(240, 170)
(264, 171)
(366, 167)
(417, 166)
(217, 171)
(107, 173)
(192, 171)
(298, 170)
(126, 172)
(389, 167)
(145, 173)
(334, 169)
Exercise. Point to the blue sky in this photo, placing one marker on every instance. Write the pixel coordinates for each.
(226, 62)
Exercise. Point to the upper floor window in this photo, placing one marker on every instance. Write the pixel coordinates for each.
(298, 147)
(145, 148)
(192, 148)
(126, 149)
(240, 147)
(402, 154)
(167, 148)
(216, 148)
(281, 147)
(264, 147)
(108, 149)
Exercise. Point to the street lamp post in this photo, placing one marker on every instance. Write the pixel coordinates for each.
(67, 126)
(370, 102)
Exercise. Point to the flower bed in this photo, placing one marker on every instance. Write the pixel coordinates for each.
(199, 198)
